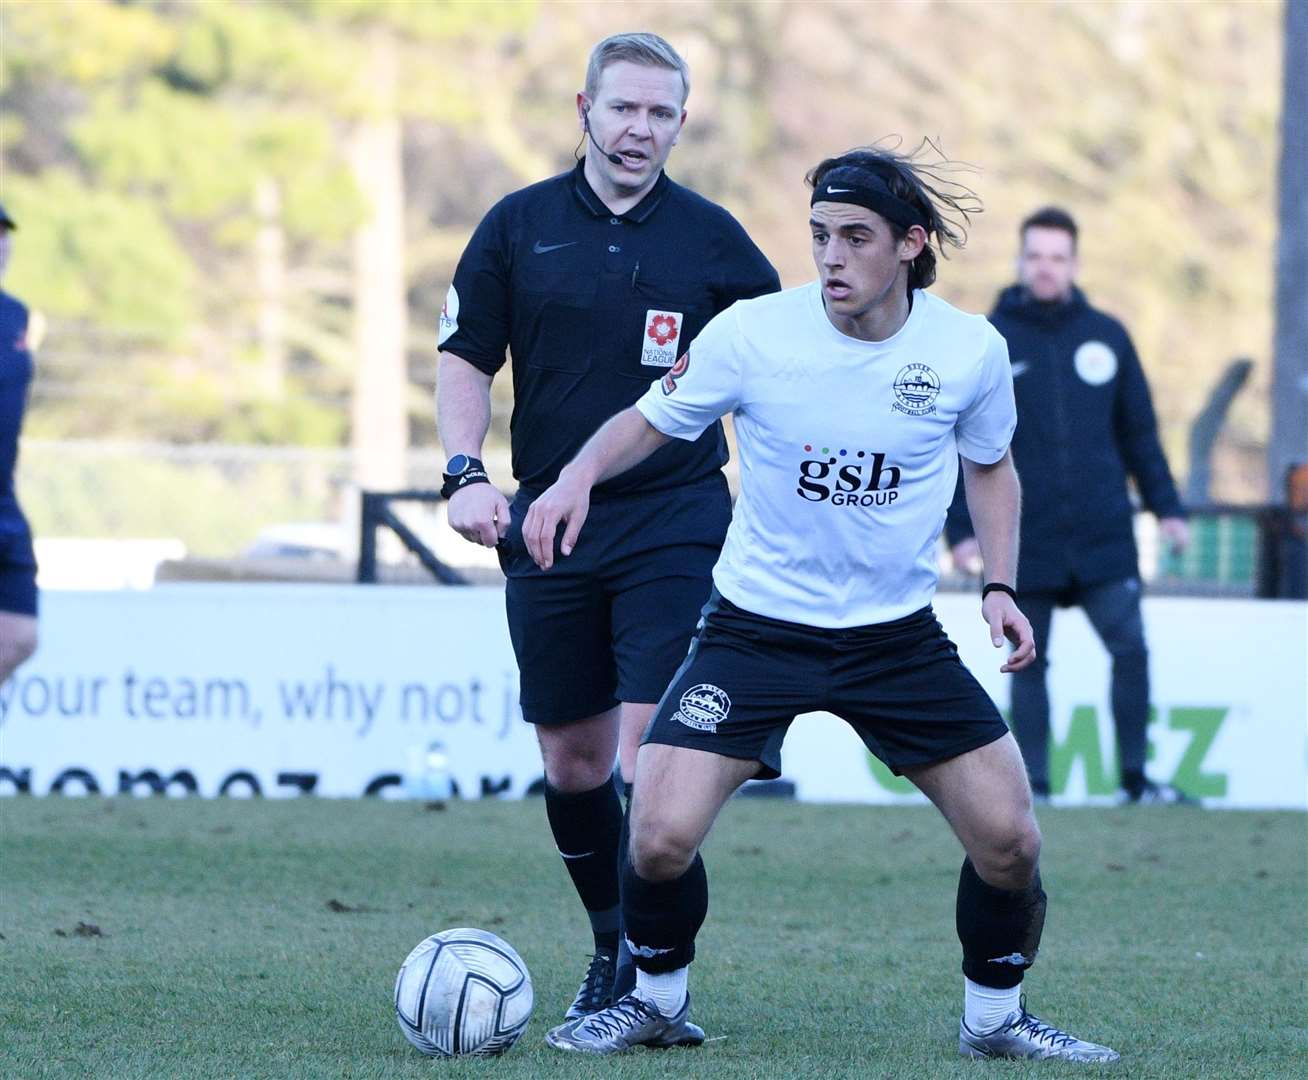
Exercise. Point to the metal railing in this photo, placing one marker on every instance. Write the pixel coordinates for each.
(376, 514)
(1235, 551)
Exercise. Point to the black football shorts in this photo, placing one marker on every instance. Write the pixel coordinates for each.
(899, 684)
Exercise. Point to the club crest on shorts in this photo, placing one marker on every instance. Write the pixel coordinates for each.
(916, 389)
(662, 335)
(675, 372)
(703, 707)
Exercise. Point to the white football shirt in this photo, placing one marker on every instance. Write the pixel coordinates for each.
(848, 449)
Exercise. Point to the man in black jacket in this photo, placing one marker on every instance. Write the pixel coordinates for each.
(1085, 422)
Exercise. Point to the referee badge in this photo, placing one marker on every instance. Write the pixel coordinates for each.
(662, 335)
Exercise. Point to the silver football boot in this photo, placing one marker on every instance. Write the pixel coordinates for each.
(1025, 1036)
(625, 1025)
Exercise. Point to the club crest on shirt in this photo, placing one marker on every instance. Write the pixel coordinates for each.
(449, 316)
(1095, 362)
(916, 389)
(662, 335)
(675, 372)
(703, 707)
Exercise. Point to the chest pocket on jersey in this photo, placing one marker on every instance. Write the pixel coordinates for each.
(658, 324)
(553, 315)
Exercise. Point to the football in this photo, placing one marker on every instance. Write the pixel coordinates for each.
(463, 991)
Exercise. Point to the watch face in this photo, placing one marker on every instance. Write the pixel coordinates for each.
(458, 465)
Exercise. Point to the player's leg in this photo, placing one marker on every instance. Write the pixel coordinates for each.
(658, 579)
(720, 723)
(678, 795)
(1030, 694)
(1000, 910)
(903, 688)
(18, 636)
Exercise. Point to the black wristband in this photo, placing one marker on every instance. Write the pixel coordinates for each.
(463, 480)
(997, 586)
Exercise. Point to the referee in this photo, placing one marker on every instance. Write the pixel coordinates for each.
(595, 281)
(17, 561)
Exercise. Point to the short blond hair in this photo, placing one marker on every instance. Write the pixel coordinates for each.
(649, 50)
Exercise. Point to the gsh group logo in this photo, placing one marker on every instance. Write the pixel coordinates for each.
(848, 478)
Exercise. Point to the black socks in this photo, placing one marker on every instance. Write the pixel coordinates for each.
(587, 827)
(661, 918)
(1000, 929)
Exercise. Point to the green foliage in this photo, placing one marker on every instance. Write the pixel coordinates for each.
(1156, 124)
(215, 505)
(95, 254)
(85, 44)
(173, 146)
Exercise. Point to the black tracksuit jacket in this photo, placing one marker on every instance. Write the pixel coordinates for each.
(1085, 422)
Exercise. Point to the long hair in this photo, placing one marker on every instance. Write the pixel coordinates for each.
(921, 179)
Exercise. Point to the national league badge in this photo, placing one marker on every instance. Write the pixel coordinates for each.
(662, 334)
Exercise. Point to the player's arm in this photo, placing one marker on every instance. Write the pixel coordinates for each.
(680, 405)
(621, 444)
(994, 499)
(478, 512)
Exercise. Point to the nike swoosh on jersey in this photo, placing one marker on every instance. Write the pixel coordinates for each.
(1020, 367)
(583, 854)
(542, 249)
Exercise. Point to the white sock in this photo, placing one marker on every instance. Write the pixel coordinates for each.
(985, 1007)
(666, 992)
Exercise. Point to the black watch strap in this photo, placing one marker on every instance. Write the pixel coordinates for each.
(997, 586)
(471, 471)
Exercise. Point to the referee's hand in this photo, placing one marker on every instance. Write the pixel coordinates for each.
(480, 513)
(1000, 611)
(567, 501)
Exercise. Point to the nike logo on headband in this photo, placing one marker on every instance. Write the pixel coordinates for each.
(839, 190)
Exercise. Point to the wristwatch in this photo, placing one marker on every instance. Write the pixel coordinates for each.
(462, 471)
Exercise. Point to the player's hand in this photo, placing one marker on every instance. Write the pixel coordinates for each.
(480, 513)
(1176, 532)
(967, 557)
(1000, 611)
(568, 501)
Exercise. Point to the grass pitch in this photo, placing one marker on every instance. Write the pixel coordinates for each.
(169, 938)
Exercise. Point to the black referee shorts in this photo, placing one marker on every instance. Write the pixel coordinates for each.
(612, 621)
(899, 684)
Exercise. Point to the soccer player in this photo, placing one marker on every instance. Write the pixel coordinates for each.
(1085, 420)
(595, 281)
(18, 600)
(853, 397)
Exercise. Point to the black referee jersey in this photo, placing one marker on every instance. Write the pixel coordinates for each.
(593, 307)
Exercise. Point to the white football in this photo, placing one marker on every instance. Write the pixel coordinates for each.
(463, 991)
